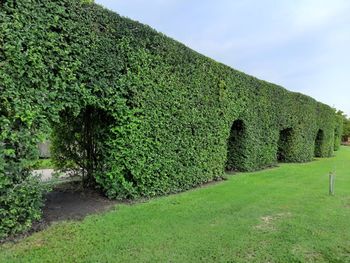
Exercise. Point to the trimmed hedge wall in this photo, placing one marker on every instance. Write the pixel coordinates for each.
(142, 114)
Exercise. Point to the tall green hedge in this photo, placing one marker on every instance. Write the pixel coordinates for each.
(142, 114)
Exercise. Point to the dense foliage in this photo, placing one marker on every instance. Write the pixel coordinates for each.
(346, 126)
(140, 113)
(346, 133)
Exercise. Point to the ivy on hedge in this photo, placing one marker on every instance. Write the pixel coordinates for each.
(142, 114)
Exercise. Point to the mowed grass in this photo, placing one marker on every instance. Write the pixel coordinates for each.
(278, 215)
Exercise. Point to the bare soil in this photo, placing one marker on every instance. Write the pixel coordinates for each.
(68, 201)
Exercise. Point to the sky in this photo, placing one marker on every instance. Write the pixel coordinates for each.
(302, 45)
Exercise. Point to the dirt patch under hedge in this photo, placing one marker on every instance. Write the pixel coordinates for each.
(68, 201)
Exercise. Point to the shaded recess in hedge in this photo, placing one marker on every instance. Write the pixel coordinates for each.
(284, 144)
(235, 147)
(141, 113)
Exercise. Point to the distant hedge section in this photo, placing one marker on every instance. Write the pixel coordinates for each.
(139, 113)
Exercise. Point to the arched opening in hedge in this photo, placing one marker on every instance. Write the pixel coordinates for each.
(79, 141)
(319, 143)
(235, 146)
(284, 144)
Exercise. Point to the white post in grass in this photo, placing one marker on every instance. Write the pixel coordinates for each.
(331, 183)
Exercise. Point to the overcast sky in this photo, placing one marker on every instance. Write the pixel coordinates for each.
(303, 45)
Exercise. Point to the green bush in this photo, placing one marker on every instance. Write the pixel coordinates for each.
(140, 113)
(345, 122)
(20, 205)
(339, 129)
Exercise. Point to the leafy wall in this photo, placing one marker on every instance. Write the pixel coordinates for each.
(163, 112)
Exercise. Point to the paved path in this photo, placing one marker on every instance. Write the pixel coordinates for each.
(46, 174)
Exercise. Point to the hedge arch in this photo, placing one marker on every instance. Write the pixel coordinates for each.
(235, 146)
(285, 142)
(160, 110)
(79, 141)
(319, 143)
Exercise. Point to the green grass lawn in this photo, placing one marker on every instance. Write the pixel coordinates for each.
(279, 215)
